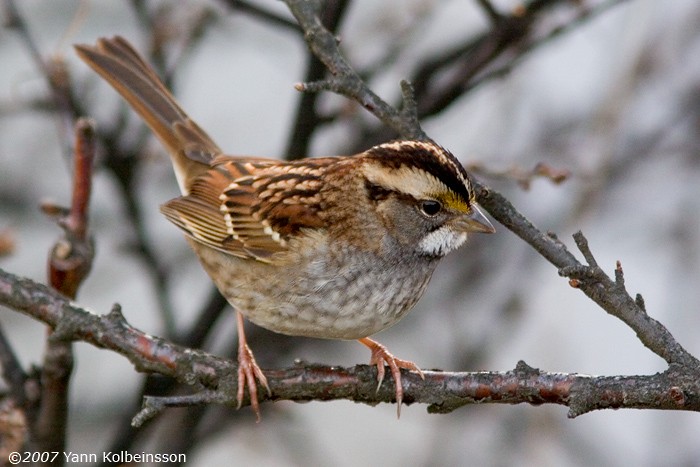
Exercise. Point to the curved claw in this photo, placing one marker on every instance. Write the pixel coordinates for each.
(380, 357)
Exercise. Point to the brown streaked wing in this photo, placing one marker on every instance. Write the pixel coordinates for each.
(249, 208)
(199, 216)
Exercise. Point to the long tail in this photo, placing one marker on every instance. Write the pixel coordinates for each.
(190, 148)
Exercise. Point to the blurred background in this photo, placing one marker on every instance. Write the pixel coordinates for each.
(605, 91)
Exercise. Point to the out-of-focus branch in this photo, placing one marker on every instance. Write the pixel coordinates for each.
(215, 378)
(13, 428)
(7, 242)
(307, 118)
(521, 176)
(71, 257)
(261, 13)
(53, 70)
(490, 10)
(445, 76)
(70, 262)
(12, 372)
(122, 161)
(511, 37)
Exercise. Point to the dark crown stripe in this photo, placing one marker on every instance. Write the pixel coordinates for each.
(427, 156)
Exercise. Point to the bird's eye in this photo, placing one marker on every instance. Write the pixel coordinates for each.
(430, 207)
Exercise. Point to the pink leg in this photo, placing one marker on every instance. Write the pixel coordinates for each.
(248, 371)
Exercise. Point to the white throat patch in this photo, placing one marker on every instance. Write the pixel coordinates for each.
(441, 241)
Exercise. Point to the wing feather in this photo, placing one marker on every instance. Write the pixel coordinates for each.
(250, 208)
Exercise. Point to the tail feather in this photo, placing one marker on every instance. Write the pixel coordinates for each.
(190, 148)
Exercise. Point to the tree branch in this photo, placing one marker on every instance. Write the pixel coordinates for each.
(445, 76)
(70, 262)
(123, 162)
(591, 280)
(215, 378)
(612, 296)
(54, 70)
(345, 80)
(261, 13)
(307, 118)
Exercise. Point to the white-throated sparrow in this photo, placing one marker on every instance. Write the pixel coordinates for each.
(333, 247)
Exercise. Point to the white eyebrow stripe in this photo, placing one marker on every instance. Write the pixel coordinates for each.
(410, 180)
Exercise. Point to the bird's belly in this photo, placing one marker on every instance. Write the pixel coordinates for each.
(321, 301)
(337, 309)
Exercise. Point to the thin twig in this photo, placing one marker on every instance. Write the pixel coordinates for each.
(613, 297)
(157, 385)
(307, 118)
(259, 12)
(493, 14)
(590, 279)
(71, 257)
(445, 76)
(344, 79)
(523, 177)
(53, 70)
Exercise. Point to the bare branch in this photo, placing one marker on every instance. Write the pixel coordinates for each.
(307, 118)
(490, 10)
(592, 281)
(13, 428)
(54, 71)
(71, 257)
(511, 37)
(613, 297)
(7, 242)
(496, 52)
(521, 176)
(70, 262)
(345, 80)
(261, 13)
(216, 381)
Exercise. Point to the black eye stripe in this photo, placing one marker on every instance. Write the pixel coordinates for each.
(376, 192)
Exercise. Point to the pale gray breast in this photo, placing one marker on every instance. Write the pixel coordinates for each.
(348, 299)
(325, 295)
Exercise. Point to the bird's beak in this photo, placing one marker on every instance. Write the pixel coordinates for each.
(475, 221)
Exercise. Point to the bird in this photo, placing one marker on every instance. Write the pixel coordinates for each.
(337, 247)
